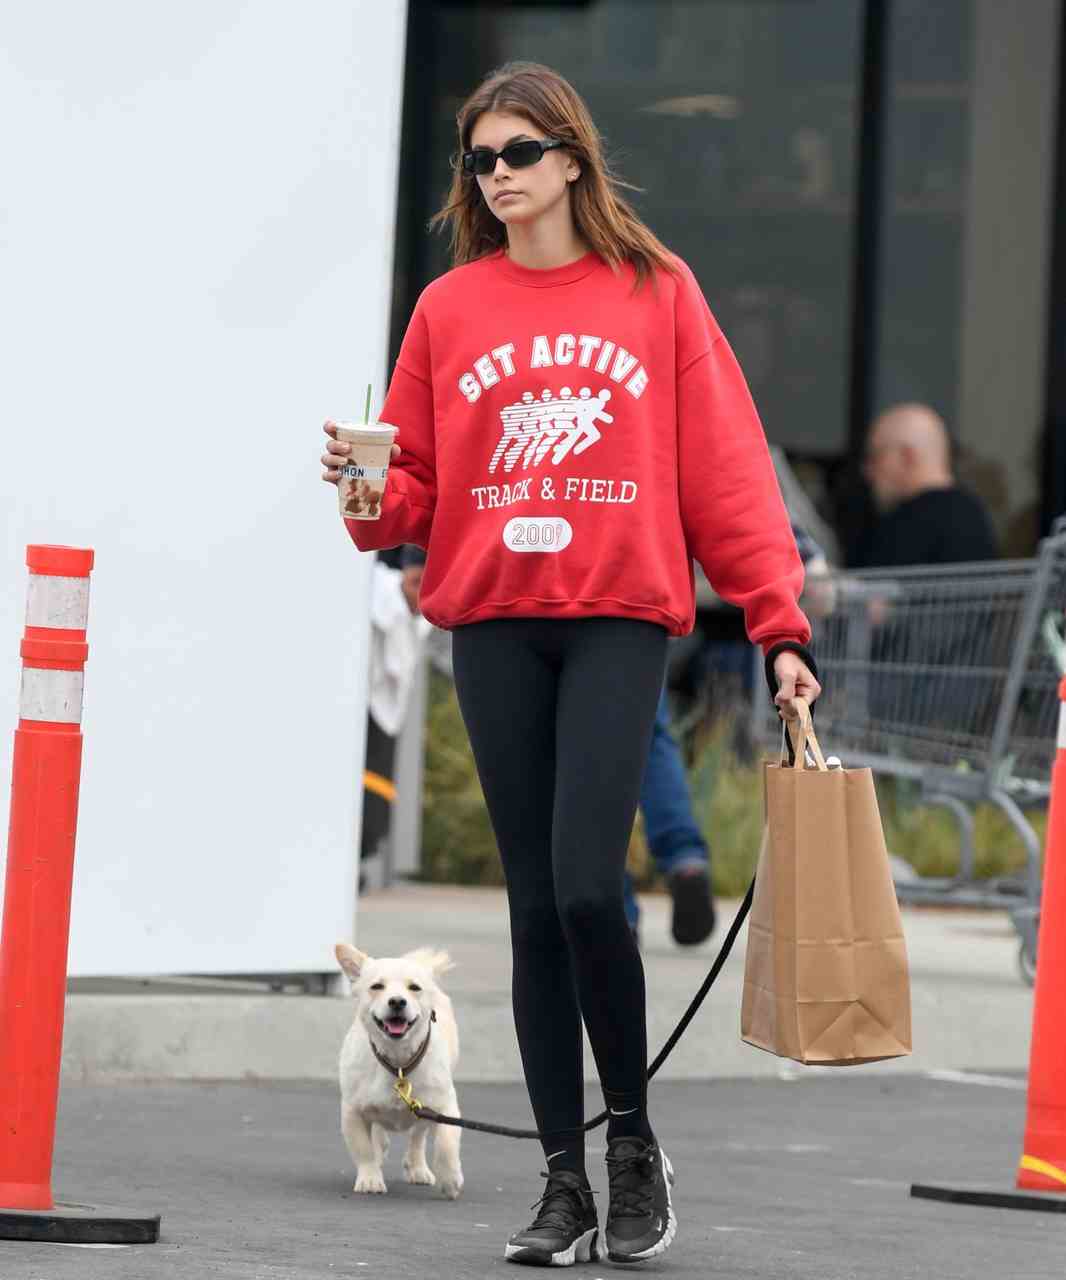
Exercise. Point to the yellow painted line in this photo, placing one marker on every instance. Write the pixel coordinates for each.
(1033, 1165)
(379, 786)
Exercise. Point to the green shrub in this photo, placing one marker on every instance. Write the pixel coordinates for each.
(928, 838)
(458, 846)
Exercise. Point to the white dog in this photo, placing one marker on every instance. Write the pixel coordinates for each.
(403, 1022)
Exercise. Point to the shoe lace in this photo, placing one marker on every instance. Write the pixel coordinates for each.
(632, 1184)
(562, 1204)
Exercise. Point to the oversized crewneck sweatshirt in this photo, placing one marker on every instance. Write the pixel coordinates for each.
(569, 445)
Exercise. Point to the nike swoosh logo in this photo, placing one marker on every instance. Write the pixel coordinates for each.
(622, 1113)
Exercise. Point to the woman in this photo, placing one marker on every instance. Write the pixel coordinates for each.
(573, 429)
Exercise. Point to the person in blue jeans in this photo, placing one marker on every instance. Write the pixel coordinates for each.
(674, 838)
(677, 846)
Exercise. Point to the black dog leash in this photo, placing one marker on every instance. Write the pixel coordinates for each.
(405, 1090)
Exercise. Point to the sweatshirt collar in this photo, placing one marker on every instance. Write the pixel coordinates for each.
(546, 279)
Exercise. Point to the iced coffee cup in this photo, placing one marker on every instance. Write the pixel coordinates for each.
(362, 482)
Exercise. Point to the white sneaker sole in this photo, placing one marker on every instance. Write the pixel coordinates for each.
(584, 1249)
(667, 1240)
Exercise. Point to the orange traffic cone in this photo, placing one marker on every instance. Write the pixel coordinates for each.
(1043, 1163)
(1042, 1168)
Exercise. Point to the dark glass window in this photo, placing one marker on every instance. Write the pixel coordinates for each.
(926, 160)
(969, 145)
(738, 121)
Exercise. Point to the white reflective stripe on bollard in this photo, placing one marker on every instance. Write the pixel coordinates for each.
(53, 696)
(57, 602)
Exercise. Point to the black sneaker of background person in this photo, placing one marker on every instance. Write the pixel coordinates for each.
(565, 1229)
(693, 921)
(640, 1218)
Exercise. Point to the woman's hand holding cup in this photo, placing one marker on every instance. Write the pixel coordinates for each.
(357, 461)
(337, 453)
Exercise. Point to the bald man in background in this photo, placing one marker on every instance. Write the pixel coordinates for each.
(924, 517)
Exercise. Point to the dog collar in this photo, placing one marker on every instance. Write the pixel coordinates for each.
(408, 1067)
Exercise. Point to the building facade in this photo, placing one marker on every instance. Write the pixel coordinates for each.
(867, 190)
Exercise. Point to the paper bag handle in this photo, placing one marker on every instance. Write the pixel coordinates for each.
(802, 737)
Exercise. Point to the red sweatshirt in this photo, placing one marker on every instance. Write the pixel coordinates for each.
(568, 446)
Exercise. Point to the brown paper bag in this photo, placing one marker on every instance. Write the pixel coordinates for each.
(825, 979)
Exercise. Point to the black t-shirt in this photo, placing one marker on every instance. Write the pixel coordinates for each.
(939, 526)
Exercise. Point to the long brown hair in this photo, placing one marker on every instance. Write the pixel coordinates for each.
(605, 221)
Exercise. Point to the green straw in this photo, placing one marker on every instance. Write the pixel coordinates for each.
(366, 411)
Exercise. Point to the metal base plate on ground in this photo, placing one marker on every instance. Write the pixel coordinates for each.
(1032, 1200)
(79, 1224)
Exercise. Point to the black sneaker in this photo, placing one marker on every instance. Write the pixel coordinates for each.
(640, 1220)
(693, 920)
(565, 1229)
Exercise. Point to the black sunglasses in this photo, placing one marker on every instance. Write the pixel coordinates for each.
(516, 155)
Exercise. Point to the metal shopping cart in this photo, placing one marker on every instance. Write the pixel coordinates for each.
(948, 676)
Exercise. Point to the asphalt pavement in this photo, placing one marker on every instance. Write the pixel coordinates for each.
(803, 1179)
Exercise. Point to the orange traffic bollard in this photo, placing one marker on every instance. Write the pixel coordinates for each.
(1043, 1163)
(45, 779)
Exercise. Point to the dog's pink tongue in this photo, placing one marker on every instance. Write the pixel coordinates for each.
(396, 1026)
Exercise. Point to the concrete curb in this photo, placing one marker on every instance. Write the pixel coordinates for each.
(971, 1011)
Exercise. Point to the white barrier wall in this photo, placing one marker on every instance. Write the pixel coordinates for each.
(196, 259)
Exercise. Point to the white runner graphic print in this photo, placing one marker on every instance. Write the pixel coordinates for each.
(564, 424)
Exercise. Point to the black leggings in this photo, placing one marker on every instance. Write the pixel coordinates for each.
(560, 715)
